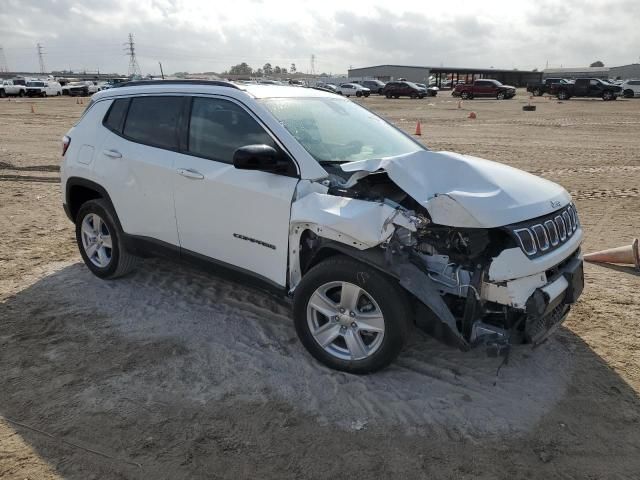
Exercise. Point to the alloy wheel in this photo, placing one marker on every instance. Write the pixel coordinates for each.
(96, 240)
(345, 320)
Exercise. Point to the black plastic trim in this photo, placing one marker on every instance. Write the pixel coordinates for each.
(147, 246)
(140, 83)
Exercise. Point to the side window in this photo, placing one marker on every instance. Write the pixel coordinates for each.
(154, 121)
(115, 116)
(593, 82)
(219, 127)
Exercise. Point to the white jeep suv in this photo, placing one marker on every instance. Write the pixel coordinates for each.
(306, 193)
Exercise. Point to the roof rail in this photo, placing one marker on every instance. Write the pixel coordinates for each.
(215, 83)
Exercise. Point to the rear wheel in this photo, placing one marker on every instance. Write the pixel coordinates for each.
(500, 96)
(563, 95)
(607, 95)
(351, 317)
(628, 93)
(465, 95)
(101, 241)
(21, 93)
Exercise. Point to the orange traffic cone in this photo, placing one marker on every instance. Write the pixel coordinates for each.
(625, 255)
(472, 115)
(81, 102)
(418, 129)
(33, 110)
(459, 103)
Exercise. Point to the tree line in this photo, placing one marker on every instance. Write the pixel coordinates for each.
(266, 70)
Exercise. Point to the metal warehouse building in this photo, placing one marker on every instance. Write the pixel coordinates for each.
(624, 72)
(387, 73)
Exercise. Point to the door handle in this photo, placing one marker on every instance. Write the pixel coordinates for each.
(112, 153)
(190, 173)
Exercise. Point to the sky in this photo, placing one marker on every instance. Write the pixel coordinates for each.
(213, 35)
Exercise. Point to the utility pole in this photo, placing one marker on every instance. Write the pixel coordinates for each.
(161, 72)
(4, 67)
(313, 64)
(130, 49)
(40, 49)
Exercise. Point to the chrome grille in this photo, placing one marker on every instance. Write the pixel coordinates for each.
(541, 235)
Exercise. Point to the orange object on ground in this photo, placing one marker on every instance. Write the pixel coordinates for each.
(459, 103)
(33, 110)
(418, 129)
(472, 115)
(628, 255)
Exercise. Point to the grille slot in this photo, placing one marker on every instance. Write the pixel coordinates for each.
(544, 234)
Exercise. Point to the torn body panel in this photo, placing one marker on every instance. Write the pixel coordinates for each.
(454, 249)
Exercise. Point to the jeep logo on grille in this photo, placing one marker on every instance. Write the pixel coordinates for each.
(547, 233)
(555, 204)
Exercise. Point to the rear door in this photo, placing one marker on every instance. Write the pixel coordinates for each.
(136, 163)
(237, 217)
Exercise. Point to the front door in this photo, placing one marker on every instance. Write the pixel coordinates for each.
(237, 217)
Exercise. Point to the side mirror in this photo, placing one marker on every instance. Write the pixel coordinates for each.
(259, 157)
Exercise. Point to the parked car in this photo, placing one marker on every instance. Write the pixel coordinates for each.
(431, 91)
(75, 89)
(327, 86)
(314, 197)
(587, 87)
(630, 88)
(39, 88)
(375, 86)
(484, 88)
(348, 89)
(540, 88)
(403, 89)
(8, 88)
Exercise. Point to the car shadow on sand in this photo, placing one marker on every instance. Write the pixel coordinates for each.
(191, 376)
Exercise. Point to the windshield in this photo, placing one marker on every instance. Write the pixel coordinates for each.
(338, 130)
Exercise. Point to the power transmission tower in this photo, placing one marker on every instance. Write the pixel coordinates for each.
(313, 65)
(40, 49)
(130, 48)
(4, 67)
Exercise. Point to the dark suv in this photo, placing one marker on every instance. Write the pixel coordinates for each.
(376, 86)
(403, 89)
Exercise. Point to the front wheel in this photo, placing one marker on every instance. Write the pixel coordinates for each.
(465, 95)
(101, 242)
(21, 93)
(358, 94)
(500, 96)
(628, 94)
(563, 95)
(607, 95)
(351, 317)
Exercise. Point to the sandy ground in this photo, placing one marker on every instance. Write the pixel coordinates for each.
(174, 373)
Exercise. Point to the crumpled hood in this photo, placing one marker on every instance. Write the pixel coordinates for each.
(465, 191)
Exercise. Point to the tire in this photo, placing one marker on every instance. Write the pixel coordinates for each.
(21, 93)
(607, 95)
(358, 93)
(420, 96)
(628, 93)
(115, 261)
(500, 96)
(414, 95)
(366, 94)
(537, 92)
(372, 350)
(388, 95)
(396, 96)
(563, 95)
(465, 96)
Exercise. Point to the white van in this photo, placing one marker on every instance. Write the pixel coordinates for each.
(40, 88)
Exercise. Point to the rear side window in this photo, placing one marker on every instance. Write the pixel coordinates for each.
(115, 116)
(154, 121)
(219, 127)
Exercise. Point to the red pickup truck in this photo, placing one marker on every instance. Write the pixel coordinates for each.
(484, 88)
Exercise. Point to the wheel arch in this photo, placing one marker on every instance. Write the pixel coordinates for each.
(80, 190)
